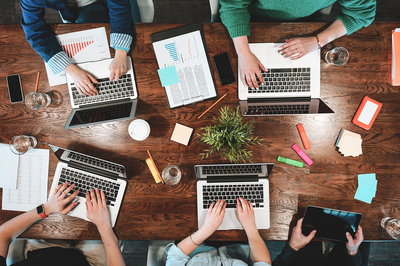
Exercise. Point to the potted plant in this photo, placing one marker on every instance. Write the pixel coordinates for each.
(229, 136)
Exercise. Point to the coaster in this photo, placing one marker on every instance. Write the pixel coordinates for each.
(181, 134)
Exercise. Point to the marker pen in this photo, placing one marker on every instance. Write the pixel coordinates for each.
(290, 161)
(303, 136)
(302, 154)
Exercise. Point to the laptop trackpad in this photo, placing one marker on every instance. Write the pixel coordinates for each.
(230, 221)
(275, 58)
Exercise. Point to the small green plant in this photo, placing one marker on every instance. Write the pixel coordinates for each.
(229, 136)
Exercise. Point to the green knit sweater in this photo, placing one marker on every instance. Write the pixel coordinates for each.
(236, 14)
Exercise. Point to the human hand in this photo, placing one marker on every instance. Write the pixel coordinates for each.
(82, 79)
(245, 214)
(214, 217)
(58, 201)
(96, 209)
(250, 68)
(296, 48)
(298, 240)
(119, 65)
(353, 244)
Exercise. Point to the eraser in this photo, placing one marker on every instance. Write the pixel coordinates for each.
(153, 170)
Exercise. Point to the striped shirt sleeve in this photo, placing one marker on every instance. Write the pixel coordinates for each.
(58, 62)
(120, 41)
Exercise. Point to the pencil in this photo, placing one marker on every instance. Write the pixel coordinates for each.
(155, 166)
(212, 106)
(37, 81)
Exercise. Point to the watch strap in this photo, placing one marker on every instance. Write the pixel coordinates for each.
(40, 211)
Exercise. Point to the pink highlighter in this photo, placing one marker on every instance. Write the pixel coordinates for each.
(302, 154)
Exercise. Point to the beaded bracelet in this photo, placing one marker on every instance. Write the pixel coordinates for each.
(193, 241)
(319, 44)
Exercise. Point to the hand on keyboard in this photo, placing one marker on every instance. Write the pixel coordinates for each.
(245, 214)
(59, 201)
(82, 80)
(296, 48)
(119, 65)
(214, 217)
(96, 209)
(249, 64)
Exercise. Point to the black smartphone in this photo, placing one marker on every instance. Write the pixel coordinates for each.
(15, 88)
(224, 68)
(330, 223)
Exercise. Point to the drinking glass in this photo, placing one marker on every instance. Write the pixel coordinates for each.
(338, 56)
(171, 175)
(36, 100)
(21, 144)
(392, 227)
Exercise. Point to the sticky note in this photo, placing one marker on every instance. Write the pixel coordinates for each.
(181, 134)
(153, 170)
(168, 76)
(367, 185)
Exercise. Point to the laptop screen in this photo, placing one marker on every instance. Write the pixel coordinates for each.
(103, 113)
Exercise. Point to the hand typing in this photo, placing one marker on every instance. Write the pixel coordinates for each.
(59, 200)
(96, 209)
(82, 80)
(119, 65)
(214, 217)
(296, 48)
(245, 214)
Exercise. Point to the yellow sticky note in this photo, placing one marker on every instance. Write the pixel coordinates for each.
(153, 170)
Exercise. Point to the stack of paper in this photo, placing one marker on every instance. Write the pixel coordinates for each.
(366, 188)
(349, 143)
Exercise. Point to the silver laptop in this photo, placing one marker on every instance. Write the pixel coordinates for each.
(290, 86)
(123, 89)
(229, 182)
(88, 172)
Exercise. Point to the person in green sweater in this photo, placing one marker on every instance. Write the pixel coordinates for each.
(236, 15)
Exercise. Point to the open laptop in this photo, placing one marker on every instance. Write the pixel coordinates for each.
(229, 182)
(88, 172)
(115, 101)
(290, 86)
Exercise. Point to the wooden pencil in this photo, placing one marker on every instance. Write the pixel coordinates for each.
(212, 105)
(37, 81)
(151, 158)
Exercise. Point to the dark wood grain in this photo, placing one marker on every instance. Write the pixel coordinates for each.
(155, 211)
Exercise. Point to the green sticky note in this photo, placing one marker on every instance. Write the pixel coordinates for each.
(168, 76)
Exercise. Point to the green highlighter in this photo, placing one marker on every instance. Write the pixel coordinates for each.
(290, 161)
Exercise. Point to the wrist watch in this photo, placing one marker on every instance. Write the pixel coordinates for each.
(40, 211)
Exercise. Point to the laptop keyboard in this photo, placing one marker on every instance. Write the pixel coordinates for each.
(278, 109)
(231, 169)
(251, 192)
(283, 80)
(108, 91)
(96, 162)
(84, 182)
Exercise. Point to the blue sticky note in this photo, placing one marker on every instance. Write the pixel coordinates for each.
(364, 196)
(168, 76)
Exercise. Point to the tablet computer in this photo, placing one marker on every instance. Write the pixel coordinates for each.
(330, 223)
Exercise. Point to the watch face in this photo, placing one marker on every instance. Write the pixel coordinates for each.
(39, 209)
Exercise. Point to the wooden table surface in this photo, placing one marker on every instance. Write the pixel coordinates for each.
(156, 211)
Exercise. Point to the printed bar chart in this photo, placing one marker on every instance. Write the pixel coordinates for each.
(172, 51)
(74, 46)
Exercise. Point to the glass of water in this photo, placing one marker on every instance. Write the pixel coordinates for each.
(37, 100)
(392, 227)
(21, 144)
(171, 175)
(338, 56)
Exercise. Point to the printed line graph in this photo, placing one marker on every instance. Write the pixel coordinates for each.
(73, 46)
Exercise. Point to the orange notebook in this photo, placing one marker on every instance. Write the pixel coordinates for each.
(366, 113)
(396, 57)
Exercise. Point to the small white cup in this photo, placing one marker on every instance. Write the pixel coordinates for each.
(139, 129)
